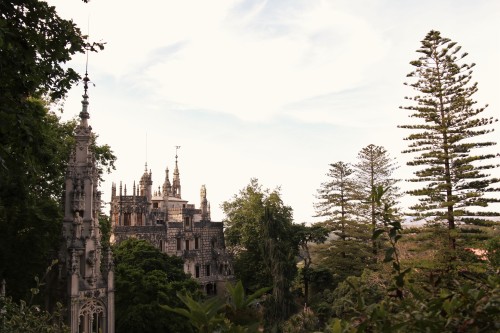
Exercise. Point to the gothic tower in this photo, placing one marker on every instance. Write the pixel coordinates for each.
(84, 269)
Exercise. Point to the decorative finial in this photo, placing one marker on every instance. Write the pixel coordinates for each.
(176, 149)
(84, 115)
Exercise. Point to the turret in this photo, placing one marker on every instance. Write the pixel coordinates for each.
(146, 184)
(176, 187)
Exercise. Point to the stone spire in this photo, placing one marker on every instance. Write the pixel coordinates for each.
(176, 187)
(167, 187)
(205, 213)
(84, 114)
(89, 291)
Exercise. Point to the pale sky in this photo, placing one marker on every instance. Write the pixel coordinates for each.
(275, 90)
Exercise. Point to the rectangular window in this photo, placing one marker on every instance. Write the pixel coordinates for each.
(126, 219)
(82, 266)
(155, 205)
(207, 269)
(186, 221)
(139, 218)
(197, 271)
(187, 244)
(179, 244)
(196, 243)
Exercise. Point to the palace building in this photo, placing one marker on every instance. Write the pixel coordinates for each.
(174, 226)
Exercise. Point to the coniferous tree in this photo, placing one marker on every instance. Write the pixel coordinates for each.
(446, 135)
(348, 252)
(338, 199)
(374, 168)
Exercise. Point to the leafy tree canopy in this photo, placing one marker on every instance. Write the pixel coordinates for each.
(260, 230)
(245, 227)
(146, 278)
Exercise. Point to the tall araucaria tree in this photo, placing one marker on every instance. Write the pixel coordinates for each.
(374, 168)
(446, 135)
(348, 252)
(338, 199)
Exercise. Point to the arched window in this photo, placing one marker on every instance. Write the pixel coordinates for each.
(91, 317)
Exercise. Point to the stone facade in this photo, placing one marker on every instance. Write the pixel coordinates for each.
(174, 226)
(85, 271)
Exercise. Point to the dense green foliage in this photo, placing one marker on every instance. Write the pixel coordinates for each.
(23, 317)
(461, 301)
(242, 232)
(245, 226)
(28, 317)
(259, 230)
(30, 187)
(279, 251)
(233, 314)
(446, 135)
(146, 278)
